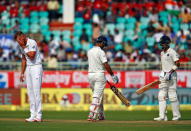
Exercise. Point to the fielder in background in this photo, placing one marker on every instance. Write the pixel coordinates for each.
(32, 63)
(168, 78)
(97, 63)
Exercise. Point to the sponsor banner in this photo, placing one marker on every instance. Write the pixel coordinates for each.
(76, 79)
(71, 99)
(79, 79)
(150, 97)
(134, 79)
(10, 97)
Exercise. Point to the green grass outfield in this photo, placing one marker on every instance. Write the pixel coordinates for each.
(76, 121)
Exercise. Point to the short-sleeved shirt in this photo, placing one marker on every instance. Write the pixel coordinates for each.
(168, 59)
(96, 60)
(31, 46)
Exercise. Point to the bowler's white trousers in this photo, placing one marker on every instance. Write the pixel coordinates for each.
(34, 80)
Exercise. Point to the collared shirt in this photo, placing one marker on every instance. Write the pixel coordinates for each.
(168, 59)
(31, 46)
(96, 59)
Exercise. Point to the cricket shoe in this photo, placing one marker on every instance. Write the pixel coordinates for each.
(37, 120)
(92, 116)
(175, 118)
(30, 119)
(101, 117)
(91, 119)
(161, 119)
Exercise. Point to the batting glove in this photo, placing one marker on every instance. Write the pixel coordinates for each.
(115, 79)
(167, 77)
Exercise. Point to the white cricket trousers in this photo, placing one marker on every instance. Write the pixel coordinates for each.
(97, 83)
(34, 80)
(169, 89)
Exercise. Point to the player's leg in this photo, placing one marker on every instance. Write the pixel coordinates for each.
(37, 81)
(94, 107)
(99, 86)
(91, 78)
(31, 96)
(172, 93)
(162, 96)
(175, 104)
(101, 115)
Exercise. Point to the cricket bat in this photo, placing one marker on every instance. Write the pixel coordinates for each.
(147, 87)
(119, 95)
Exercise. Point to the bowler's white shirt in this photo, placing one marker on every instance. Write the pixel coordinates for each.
(168, 59)
(96, 58)
(31, 46)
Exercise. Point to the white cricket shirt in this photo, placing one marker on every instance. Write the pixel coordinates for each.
(96, 58)
(31, 46)
(168, 59)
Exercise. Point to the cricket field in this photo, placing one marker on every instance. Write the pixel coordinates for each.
(76, 121)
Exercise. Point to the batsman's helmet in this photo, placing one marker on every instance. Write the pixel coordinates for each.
(102, 39)
(165, 40)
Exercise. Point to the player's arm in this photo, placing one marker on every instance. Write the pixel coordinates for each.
(108, 68)
(23, 68)
(177, 64)
(174, 67)
(103, 59)
(31, 54)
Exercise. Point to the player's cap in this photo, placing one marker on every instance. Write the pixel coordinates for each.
(165, 40)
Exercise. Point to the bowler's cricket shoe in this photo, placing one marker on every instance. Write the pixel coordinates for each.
(161, 119)
(37, 120)
(175, 118)
(30, 119)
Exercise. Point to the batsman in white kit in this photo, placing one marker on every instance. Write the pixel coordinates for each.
(168, 78)
(32, 64)
(97, 64)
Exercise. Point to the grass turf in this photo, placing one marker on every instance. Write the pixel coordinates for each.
(76, 121)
